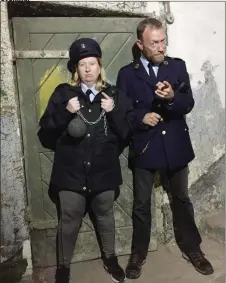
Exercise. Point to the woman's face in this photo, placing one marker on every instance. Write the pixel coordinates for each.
(89, 70)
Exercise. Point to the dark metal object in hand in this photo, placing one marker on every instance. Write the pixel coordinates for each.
(77, 128)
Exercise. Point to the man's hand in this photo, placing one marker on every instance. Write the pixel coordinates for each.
(107, 103)
(73, 105)
(151, 119)
(164, 90)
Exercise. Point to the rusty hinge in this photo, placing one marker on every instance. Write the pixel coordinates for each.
(169, 17)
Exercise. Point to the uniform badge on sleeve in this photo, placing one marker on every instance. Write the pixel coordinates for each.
(165, 62)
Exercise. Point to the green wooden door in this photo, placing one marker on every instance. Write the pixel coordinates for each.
(41, 46)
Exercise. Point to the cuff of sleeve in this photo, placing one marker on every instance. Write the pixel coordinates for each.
(114, 111)
(140, 116)
(171, 101)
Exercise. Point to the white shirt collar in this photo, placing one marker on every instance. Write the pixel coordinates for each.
(145, 63)
(84, 88)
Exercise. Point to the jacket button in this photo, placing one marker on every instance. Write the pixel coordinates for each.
(84, 188)
(137, 101)
(90, 191)
(163, 132)
(90, 110)
(161, 119)
(88, 135)
(88, 163)
(185, 129)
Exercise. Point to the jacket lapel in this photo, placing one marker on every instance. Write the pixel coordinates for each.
(141, 73)
(163, 71)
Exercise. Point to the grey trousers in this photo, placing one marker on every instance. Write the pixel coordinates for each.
(71, 208)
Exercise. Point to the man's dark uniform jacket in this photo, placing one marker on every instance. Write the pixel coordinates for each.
(168, 144)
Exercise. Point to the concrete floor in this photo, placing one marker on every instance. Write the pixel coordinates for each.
(163, 266)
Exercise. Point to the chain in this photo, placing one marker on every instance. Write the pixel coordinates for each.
(105, 126)
(102, 114)
(94, 122)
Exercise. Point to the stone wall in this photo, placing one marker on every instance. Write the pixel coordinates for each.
(13, 197)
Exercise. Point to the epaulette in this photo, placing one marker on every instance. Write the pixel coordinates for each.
(61, 86)
(175, 58)
(127, 66)
(111, 90)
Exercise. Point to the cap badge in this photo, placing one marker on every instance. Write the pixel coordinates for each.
(83, 45)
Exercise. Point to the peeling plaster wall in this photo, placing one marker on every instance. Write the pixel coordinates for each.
(135, 7)
(14, 230)
(198, 37)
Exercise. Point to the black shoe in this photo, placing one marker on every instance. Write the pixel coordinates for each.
(62, 275)
(199, 261)
(133, 269)
(112, 266)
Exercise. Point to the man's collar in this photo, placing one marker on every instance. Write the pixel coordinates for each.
(145, 61)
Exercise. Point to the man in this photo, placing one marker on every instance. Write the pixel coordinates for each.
(160, 89)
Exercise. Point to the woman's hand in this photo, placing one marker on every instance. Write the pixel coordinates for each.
(73, 105)
(107, 103)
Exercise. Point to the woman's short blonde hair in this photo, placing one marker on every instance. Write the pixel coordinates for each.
(101, 81)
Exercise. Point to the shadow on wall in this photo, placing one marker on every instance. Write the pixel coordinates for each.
(206, 123)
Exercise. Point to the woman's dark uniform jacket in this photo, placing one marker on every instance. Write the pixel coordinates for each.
(168, 144)
(87, 165)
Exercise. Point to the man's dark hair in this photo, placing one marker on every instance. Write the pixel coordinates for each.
(151, 22)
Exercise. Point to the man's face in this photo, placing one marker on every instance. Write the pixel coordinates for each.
(153, 44)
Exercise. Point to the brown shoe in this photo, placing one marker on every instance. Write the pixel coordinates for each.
(199, 261)
(134, 267)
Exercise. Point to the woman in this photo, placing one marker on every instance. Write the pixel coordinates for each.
(87, 124)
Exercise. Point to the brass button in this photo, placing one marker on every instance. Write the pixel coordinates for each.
(137, 101)
(161, 119)
(88, 135)
(84, 188)
(163, 132)
(90, 110)
(185, 129)
(88, 163)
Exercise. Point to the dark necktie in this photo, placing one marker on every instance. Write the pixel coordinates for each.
(150, 67)
(88, 93)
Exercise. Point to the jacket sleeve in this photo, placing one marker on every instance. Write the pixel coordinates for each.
(121, 117)
(183, 101)
(54, 121)
(139, 114)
